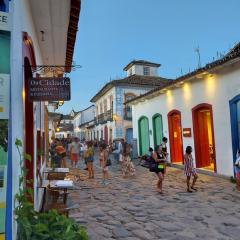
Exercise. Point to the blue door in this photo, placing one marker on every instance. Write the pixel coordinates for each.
(235, 124)
(129, 135)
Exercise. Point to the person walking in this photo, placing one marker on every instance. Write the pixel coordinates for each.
(74, 152)
(127, 164)
(237, 169)
(60, 149)
(190, 170)
(157, 165)
(89, 156)
(103, 156)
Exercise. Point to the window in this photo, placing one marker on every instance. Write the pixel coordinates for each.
(146, 71)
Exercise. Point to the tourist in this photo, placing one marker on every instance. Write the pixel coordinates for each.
(127, 165)
(190, 170)
(84, 149)
(74, 152)
(237, 169)
(103, 156)
(89, 156)
(60, 149)
(157, 166)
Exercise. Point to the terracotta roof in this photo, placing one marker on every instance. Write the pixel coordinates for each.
(133, 80)
(231, 55)
(72, 32)
(141, 62)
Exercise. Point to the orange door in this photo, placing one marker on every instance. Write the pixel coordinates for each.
(175, 132)
(204, 153)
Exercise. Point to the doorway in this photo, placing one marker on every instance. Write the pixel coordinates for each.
(129, 135)
(204, 137)
(143, 130)
(106, 134)
(157, 129)
(235, 124)
(175, 136)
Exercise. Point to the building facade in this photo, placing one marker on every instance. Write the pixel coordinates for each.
(200, 109)
(84, 124)
(113, 120)
(31, 34)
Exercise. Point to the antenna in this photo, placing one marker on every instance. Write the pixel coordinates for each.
(197, 50)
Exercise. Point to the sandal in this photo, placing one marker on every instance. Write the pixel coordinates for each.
(193, 188)
(190, 191)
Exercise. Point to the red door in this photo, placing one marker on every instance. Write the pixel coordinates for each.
(106, 134)
(204, 136)
(204, 154)
(175, 136)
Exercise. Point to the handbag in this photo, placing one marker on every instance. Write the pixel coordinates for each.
(109, 162)
(153, 166)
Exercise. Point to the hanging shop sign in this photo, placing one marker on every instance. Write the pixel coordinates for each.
(49, 89)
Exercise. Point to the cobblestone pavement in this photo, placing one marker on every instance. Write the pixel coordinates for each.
(131, 209)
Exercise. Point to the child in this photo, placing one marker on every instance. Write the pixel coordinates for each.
(103, 155)
(189, 169)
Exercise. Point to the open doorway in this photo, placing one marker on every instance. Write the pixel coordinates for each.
(204, 137)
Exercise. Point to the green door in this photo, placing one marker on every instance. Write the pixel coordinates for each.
(143, 135)
(157, 129)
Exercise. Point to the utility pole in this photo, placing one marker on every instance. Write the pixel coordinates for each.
(199, 58)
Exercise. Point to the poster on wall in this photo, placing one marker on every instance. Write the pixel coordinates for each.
(4, 116)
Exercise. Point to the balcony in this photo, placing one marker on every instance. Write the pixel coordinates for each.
(104, 117)
(128, 115)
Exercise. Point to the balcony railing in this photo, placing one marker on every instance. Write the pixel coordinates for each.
(128, 115)
(104, 117)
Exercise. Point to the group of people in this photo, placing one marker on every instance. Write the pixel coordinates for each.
(86, 151)
(158, 161)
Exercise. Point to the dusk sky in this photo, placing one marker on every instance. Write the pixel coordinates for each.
(114, 32)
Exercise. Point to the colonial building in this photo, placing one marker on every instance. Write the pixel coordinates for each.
(200, 109)
(84, 124)
(112, 119)
(32, 34)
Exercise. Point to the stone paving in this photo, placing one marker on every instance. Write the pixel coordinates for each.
(131, 209)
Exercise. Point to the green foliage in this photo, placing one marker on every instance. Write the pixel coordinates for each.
(4, 134)
(33, 225)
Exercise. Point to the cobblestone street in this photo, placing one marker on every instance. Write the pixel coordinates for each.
(131, 208)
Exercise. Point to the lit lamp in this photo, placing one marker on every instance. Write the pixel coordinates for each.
(60, 103)
(58, 129)
(115, 117)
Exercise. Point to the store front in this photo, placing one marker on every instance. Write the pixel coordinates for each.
(175, 136)
(204, 137)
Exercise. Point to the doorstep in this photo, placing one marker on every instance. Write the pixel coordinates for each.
(203, 171)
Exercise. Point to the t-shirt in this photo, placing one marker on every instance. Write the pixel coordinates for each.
(60, 149)
(75, 147)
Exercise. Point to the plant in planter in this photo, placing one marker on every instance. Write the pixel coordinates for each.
(33, 225)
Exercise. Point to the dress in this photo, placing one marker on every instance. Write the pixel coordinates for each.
(189, 169)
(127, 166)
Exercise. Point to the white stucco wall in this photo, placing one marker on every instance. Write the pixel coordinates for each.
(138, 70)
(216, 90)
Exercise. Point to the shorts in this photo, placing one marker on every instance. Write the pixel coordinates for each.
(64, 154)
(89, 160)
(74, 157)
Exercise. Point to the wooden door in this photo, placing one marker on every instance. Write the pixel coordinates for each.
(143, 136)
(203, 159)
(175, 136)
(157, 129)
(106, 134)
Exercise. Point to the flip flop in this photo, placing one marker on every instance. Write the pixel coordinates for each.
(188, 190)
(193, 188)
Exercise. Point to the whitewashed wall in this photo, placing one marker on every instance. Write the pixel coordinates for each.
(216, 90)
(22, 22)
(138, 70)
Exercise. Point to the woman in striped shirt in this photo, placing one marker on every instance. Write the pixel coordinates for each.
(189, 169)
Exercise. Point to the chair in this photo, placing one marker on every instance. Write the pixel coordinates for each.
(53, 196)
